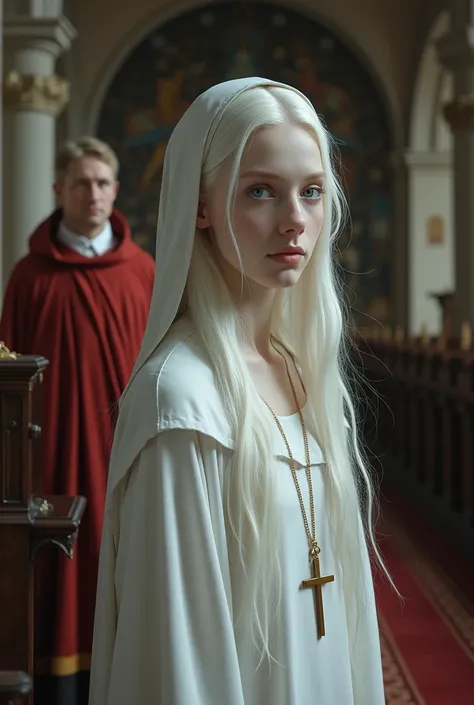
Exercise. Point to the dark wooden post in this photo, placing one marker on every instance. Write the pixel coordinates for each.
(28, 519)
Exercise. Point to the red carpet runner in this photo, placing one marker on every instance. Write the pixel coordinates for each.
(428, 639)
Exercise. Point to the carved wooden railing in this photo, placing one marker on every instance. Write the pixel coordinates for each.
(423, 426)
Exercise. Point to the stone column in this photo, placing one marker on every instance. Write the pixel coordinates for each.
(33, 96)
(456, 52)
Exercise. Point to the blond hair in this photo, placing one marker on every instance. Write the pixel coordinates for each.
(85, 146)
(309, 321)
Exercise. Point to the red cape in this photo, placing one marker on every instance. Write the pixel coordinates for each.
(87, 317)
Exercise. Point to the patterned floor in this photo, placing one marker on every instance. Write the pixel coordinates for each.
(428, 639)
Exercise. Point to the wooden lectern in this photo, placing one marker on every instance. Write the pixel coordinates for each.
(28, 519)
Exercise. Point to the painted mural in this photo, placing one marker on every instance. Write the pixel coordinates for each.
(182, 58)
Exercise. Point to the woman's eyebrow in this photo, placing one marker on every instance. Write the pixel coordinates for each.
(262, 174)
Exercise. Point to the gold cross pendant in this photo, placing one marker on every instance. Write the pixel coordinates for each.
(317, 582)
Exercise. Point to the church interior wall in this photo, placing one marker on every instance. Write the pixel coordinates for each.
(377, 33)
(387, 39)
(171, 64)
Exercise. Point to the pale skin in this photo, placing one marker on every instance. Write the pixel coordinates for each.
(87, 194)
(278, 205)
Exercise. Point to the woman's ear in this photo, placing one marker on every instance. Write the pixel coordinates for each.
(202, 219)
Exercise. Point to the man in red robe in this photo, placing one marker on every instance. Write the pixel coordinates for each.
(80, 298)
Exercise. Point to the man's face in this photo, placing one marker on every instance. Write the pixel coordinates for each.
(87, 194)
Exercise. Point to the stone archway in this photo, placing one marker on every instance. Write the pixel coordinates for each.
(428, 129)
(430, 182)
(174, 63)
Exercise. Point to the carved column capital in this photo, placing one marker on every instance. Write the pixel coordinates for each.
(460, 113)
(46, 94)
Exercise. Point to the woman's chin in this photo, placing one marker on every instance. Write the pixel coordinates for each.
(283, 280)
(287, 278)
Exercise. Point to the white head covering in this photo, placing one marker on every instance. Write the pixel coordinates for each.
(178, 207)
(179, 202)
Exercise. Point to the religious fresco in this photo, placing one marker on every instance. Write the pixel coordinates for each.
(179, 60)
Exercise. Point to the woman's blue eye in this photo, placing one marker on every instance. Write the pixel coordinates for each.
(259, 192)
(312, 192)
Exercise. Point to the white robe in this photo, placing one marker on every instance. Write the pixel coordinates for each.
(164, 632)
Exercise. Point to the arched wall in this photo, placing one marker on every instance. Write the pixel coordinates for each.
(429, 163)
(372, 33)
(358, 30)
(181, 58)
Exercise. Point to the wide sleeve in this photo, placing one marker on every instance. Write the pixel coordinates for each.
(173, 642)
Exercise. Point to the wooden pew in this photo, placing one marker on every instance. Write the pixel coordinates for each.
(28, 519)
(423, 390)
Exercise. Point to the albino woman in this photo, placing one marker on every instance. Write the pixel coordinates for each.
(234, 564)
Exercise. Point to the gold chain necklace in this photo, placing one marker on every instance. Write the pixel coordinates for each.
(317, 580)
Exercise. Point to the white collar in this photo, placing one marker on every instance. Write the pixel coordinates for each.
(89, 247)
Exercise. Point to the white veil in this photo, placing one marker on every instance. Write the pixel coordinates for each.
(179, 201)
(176, 230)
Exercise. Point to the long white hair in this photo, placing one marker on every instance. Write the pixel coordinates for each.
(309, 321)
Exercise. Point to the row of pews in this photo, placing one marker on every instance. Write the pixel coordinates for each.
(421, 423)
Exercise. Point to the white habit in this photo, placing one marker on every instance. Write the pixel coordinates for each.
(164, 632)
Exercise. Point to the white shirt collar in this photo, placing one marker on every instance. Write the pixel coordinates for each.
(89, 247)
